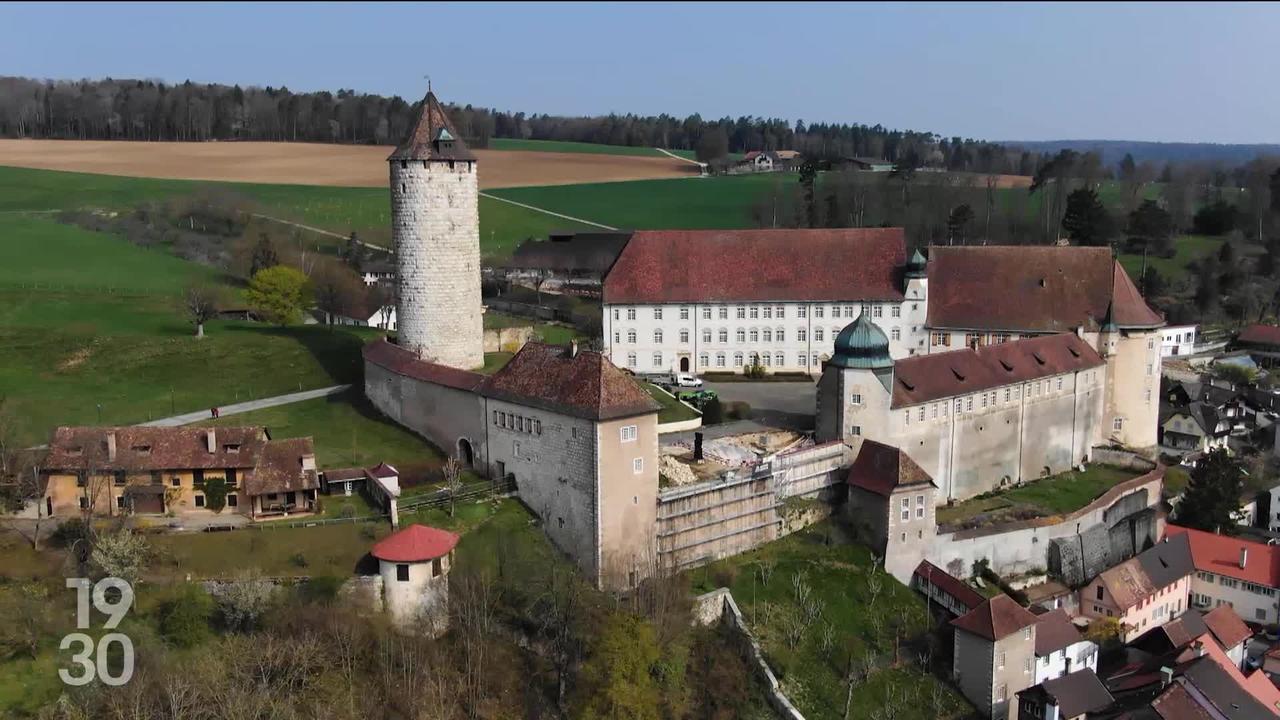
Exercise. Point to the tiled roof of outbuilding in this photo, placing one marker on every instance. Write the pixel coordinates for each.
(279, 468)
(996, 618)
(883, 469)
(416, 543)
(825, 265)
(1056, 289)
(924, 378)
(584, 384)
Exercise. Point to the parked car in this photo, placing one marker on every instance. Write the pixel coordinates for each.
(685, 380)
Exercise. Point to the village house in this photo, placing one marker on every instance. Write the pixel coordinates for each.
(1197, 680)
(1239, 573)
(866, 164)
(1060, 648)
(1261, 342)
(944, 590)
(1144, 591)
(1222, 624)
(570, 262)
(380, 269)
(994, 655)
(414, 564)
(177, 470)
(1178, 340)
(1068, 697)
(1194, 430)
(973, 419)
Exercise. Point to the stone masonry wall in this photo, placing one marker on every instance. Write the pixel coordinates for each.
(435, 224)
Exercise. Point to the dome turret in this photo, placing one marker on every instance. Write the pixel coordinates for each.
(863, 345)
(917, 266)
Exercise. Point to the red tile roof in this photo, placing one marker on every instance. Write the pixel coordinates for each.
(996, 618)
(416, 543)
(1054, 631)
(1220, 554)
(584, 384)
(279, 468)
(420, 142)
(1260, 335)
(944, 581)
(828, 265)
(383, 470)
(924, 378)
(140, 449)
(1227, 627)
(400, 361)
(1057, 289)
(883, 470)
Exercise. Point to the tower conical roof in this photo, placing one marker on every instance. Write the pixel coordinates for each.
(432, 136)
(917, 266)
(862, 344)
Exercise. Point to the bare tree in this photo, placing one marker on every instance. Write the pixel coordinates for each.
(201, 305)
(452, 472)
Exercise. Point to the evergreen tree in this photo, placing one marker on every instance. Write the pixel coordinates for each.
(1153, 226)
(808, 178)
(1086, 220)
(353, 253)
(958, 224)
(1211, 501)
(1153, 284)
(1207, 292)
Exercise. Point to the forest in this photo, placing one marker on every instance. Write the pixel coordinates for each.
(117, 109)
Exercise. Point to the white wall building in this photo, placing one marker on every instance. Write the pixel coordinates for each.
(1236, 572)
(717, 301)
(414, 566)
(1177, 340)
(1060, 648)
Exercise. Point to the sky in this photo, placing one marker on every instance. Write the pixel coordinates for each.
(1148, 71)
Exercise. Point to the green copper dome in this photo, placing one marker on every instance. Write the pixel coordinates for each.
(917, 265)
(862, 344)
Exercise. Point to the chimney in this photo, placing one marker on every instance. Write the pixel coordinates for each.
(573, 348)
(211, 441)
(111, 449)
(1166, 676)
(1244, 556)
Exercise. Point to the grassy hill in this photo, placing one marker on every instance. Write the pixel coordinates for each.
(341, 210)
(569, 146)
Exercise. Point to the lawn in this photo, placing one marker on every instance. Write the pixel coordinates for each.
(711, 202)
(672, 409)
(1061, 493)
(325, 550)
(366, 210)
(348, 431)
(837, 577)
(1188, 248)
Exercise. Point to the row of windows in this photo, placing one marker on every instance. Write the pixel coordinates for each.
(942, 338)
(518, 423)
(233, 500)
(1233, 584)
(120, 478)
(764, 359)
(753, 312)
(905, 512)
(984, 400)
(742, 335)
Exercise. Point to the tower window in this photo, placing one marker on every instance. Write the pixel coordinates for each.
(403, 188)
(404, 164)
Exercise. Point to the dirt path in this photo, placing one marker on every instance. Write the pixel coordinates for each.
(243, 407)
(547, 212)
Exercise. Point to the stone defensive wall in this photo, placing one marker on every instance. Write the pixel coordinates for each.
(741, 510)
(1118, 519)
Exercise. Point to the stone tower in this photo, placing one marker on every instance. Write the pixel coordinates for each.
(435, 223)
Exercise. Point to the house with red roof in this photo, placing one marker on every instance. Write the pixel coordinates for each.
(1142, 592)
(891, 507)
(995, 655)
(1235, 572)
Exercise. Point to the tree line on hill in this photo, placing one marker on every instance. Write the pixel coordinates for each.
(118, 109)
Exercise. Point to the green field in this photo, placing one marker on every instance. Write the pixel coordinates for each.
(837, 575)
(66, 350)
(1061, 493)
(710, 202)
(347, 430)
(672, 409)
(1189, 248)
(365, 210)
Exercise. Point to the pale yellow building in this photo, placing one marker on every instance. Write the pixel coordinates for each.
(161, 470)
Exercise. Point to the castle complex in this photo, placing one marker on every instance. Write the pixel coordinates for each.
(974, 368)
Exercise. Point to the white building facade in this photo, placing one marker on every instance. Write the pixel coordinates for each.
(1177, 340)
(727, 315)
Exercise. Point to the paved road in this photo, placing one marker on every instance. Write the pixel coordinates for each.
(782, 404)
(188, 418)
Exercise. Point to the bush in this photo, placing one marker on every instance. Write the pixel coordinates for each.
(347, 511)
(725, 576)
(215, 494)
(321, 590)
(368, 532)
(66, 534)
(712, 412)
(184, 620)
(737, 410)
(298, 559)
